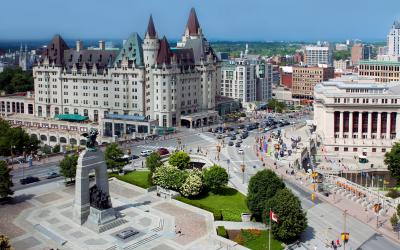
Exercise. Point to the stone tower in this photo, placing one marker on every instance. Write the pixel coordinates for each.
(151, 44)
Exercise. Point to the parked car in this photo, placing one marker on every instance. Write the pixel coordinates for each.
(29, 179)
(163, 151)
(133, 157)
(52, 175)
(233, 137)
(237, 144)
(127, 233)
(240, 140)
(146, 152)
(230, 143)
(240, 151)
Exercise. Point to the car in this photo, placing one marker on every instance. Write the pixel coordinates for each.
(237, 144)
(230, 143)
(133, 157)
(29, 179)
(220, 136)
(240, 151)
(146, 152)
(233, 137)
(163, 151)
(241, 126)
(127, 233)
(52, 175)
(240, 140)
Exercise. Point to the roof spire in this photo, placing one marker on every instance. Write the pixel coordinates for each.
(151, 30)
(164, 53)
(193, 25)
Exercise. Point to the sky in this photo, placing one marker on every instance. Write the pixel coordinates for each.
(244, 20)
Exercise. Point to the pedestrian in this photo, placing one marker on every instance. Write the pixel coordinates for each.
(338, 243)
(332, 243)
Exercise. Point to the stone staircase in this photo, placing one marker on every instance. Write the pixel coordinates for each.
(142, 242)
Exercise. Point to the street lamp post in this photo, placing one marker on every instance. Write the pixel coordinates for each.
(243, 167)
(12, 154)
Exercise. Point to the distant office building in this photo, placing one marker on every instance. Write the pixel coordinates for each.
(305, 78)
(286, 76)
(298, 57)
(380, 71)
(223, 56)
(246, 80)
(341, 65)
(361, 52)
(341, 47)
(314, 55)
(393, 41)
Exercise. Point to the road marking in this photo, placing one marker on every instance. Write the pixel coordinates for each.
(155, 147)
(207, 138)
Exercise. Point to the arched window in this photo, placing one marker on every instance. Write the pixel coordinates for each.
(53, 139)
(75, 111)
(82, 142)
(63, 140)
(56, 111)
(66, 111)
(85, 112)
(43, 138)
(72, 141)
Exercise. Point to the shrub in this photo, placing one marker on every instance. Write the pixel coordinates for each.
(179, 159)
(393, 193)
(192, 185)
(221, 231)
(56, 148)
(169, 177)
(239, 239)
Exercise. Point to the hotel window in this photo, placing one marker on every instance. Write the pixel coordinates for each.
(383, 150)
(336, 148)
(355, 149)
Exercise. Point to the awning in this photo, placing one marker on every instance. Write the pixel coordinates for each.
(71, 117)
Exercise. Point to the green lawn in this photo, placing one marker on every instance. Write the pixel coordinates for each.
(230, 203)
(138, 178)
(257, 242)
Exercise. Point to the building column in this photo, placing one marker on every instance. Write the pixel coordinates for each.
(379, 121)
(360, 125)
(350, 124)
(397, 126)
(388, 125)
(341, 125)
(369, 131)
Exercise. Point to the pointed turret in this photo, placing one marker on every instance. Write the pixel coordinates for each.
(151, 30)
(55, 50)
(164, 53)
(193, 26)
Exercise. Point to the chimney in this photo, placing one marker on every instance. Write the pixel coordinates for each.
(79, 45)
(102, 45)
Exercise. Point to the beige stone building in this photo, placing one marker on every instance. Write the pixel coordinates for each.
(305, 78)
(380, 71)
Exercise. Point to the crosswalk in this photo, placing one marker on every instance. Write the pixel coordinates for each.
(153, 147)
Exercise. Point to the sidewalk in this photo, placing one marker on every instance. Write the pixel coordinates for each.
(240, 225)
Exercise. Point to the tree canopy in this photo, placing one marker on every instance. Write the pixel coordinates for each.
(68, 166)
(215, 178)
(16, 80)
(262, 187)
(153, 161)
(15, 140)
(179, 159)
(5, 180)
(392, 160)
(292, 221)
(276, 105)
(112, 156)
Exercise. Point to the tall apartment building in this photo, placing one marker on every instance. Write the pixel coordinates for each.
(393, 41)
(246, 80)
(314, 55)
(144, 85)
(305, 79)
(380, 71)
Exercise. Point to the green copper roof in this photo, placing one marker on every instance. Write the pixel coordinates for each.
(71, 117)
(375, 62)
(132, 49)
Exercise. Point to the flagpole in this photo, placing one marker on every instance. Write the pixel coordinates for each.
(269, 241)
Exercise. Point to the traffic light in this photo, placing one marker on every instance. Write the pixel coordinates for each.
(345, 237)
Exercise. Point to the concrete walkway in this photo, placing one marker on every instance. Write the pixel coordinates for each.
(240, 225)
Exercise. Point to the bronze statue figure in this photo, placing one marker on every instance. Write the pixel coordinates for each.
(91, 139)
(99, 199)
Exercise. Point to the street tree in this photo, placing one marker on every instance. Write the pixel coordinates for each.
(113, 155)
(262, 187)
(68, 166)
(392, 160)
(153, 161)
(179, 159)
(215, 178)
(276, 105)
(5, 180)
(394, 221)
(292, 220)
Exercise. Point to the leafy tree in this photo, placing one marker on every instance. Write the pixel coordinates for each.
(276, 105)
(215, 178)
(193, 184)
(46, 149)
(68, 166)
(179, 159)
(56, 148)
(170, 177)
(292, 221)
(4, 243)
(392, 160)
(394, 221)
(5, 180)
(342, 55)
(398, 210)
(153, 161)
(262, 187)
(16, 80)
(112, 156)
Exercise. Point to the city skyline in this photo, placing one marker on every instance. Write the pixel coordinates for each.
(307, 21)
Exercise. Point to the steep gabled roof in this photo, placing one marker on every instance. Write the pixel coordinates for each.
(193, 23)
(55, 50)
(164, 52)
(151, 30)
(132, 50)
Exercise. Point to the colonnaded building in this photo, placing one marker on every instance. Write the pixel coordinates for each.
(144, 86)
(357, 118)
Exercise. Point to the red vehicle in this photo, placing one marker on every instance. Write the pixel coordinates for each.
(163, 151)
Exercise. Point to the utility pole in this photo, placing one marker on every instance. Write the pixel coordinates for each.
(345, 235)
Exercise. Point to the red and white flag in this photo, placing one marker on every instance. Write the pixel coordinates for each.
(273, 216)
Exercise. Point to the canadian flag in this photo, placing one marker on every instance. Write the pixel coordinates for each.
(273, 216)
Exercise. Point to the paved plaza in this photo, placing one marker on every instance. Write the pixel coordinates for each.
(44, 221)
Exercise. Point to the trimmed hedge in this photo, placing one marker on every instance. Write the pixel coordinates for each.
(221, 231)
